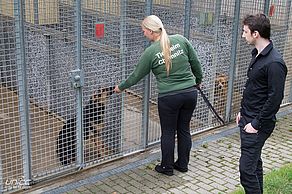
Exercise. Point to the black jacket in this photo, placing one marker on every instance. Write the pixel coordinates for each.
(264, 89)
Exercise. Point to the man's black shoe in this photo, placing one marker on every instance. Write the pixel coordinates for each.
(163, 170)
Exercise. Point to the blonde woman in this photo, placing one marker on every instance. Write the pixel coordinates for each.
(174, 62)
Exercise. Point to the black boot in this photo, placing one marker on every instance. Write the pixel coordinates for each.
(163, 170)
(176, 167)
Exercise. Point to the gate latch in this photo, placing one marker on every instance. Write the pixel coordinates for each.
(77, 78)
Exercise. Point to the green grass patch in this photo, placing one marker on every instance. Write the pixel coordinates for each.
(276, 181)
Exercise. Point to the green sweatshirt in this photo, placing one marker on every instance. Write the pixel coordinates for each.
(185, 71)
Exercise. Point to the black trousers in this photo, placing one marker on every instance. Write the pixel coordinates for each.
(175, 113)
(250, 163)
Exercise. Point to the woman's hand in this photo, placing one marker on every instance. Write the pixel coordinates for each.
(117, 89)
(198, 86)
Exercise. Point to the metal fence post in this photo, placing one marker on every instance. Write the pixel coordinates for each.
(22, 90)
(147, 84)
(36, 11)
(1, 177)
(123, 51)
(235, 29)
(188, 8)
(287, 19)
(79, 117)
(266, 7)
(217, 49)
(218, 6)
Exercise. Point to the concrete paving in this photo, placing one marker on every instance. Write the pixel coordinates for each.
(213, 166)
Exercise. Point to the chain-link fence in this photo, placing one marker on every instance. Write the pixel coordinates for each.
(59, 60)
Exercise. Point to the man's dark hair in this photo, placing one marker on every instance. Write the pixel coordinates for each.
(259, 22)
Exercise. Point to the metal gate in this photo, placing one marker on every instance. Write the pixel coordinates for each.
(59, 60)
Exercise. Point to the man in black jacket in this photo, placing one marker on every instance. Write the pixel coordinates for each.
(262, 96)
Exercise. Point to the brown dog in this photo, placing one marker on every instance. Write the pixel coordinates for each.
(220, 94)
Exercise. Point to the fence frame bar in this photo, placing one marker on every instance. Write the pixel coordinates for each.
(147, 84)
(235, 32)
(123, 58)
(22, 90)
(79, 117)
(187, 20)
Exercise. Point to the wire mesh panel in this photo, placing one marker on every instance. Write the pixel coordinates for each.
(280, 16)
(132, 46)
(10, 134)
(46, 58)
(171, 14)
(210, 34)
(243, 55)
(50, 52)
(112, 45)
(100, 61)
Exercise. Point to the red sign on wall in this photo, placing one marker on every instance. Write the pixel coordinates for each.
(99, 30)
(272, 10)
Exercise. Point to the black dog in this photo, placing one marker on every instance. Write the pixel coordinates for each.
(93, 114)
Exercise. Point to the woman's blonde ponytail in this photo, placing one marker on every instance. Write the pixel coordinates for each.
(153, 23)
(165, 47)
